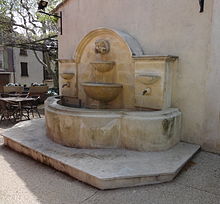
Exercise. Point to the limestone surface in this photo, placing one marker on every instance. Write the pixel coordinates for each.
(104, 128)
(102, 168)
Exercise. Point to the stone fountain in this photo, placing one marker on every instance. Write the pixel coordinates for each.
(126, 94)
(115, 113)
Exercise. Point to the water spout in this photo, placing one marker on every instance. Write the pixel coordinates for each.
(146, 91)
(67, 85)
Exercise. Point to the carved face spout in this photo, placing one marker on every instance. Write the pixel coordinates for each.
(102, 46)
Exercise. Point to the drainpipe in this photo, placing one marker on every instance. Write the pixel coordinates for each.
(13, 64)
(77, 87)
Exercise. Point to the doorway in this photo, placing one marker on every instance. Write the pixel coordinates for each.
(4, 79)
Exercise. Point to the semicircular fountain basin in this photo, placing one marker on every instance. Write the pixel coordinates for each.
(103, 92)
(104, 128)
(103, 66)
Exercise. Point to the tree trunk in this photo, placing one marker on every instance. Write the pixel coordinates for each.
(52, 72)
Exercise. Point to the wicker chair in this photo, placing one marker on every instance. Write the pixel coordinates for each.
(39, 91)
(31, 106)
(7, 111)
(4, 95)
(13, 89)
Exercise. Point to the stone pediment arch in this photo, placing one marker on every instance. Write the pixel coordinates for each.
(131, 43)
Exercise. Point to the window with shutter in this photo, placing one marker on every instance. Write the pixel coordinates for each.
(24, 69)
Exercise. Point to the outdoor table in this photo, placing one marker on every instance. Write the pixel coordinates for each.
(19, 101)
(17, 95)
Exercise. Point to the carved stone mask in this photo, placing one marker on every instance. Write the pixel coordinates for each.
(102, 46)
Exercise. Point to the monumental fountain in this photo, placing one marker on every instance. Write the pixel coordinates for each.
(113, 125)
(124, 97)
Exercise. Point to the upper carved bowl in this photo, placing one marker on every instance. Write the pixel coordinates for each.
(103, 66)
(148, 78)
(103, 92)
(67, 75)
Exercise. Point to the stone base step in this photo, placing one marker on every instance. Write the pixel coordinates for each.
(102, 168)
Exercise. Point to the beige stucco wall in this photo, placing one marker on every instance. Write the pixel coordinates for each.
(211, 136)
(163, 27)
(35, 69)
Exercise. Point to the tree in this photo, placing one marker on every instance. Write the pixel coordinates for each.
(23, 26)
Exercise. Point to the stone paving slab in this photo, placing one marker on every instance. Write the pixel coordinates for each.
(102, 168)
(168, 193)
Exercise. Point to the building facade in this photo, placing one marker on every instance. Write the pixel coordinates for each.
(26, 66)
(18, 65)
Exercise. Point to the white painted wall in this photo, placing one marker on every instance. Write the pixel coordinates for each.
(164, 27)
(35, 69)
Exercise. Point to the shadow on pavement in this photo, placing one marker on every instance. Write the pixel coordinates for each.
(46, 184)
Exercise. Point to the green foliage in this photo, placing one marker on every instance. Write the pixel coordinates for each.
(25, 18)
(21, 23)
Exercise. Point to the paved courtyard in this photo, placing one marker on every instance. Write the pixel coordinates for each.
(23, 180)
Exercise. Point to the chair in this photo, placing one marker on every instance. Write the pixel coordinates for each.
(4, 95)
(8, 112)
(13, 89)
(39, 91)
(31, 106)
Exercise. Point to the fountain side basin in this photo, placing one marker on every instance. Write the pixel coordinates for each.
(102, 128)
